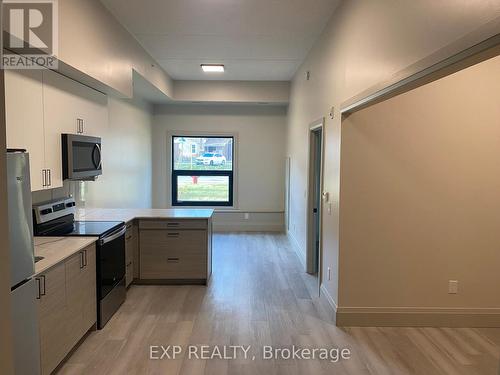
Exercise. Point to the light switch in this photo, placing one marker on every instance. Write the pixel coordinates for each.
(453, 287)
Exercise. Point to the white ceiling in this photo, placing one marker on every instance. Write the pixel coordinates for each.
(254, 39)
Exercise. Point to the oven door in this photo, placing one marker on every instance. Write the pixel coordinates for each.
(82, 157)
(110, 262)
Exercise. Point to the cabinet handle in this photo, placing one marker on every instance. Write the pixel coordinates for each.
(79, 126)
(174, 235)
(48, 178)
(44, 292)
(39, 290)
(82, 262)
(173, 260)
(173, 224)
(44, 177)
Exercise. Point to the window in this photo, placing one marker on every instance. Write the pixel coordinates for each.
(202, 171)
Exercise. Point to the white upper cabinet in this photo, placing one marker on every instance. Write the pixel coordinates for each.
(72, 108)
(40, 106)
(24, 119)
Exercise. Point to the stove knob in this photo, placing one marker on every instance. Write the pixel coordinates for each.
(46, 211)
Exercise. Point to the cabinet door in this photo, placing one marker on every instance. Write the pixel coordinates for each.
(89, 287)
(61, 111)
(52, 313)
(75, 296)
(94, 111)
(24, 118)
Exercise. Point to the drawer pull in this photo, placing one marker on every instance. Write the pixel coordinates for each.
(172, 234)
(173, 224)
(173, 260)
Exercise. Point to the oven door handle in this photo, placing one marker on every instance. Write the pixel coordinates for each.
(114, 236)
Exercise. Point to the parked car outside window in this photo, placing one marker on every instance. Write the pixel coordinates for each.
(210, 158)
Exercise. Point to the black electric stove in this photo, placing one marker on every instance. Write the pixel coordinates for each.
(57, 219)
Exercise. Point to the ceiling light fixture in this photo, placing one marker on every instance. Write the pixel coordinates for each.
(212, 68)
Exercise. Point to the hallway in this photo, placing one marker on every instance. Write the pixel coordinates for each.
(259, 296)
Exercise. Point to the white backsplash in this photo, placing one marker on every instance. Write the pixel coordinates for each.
(76, 189)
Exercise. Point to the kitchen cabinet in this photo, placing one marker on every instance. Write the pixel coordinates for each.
(67, 306)
(72, 108)
(24, 119)
(41, 105)
(131, 253)
(80, 294)
(52, 314)
(175, 250)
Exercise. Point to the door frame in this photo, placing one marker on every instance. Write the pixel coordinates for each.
(310, 250)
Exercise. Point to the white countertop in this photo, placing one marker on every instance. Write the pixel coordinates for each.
(56, 249)
(128, 214)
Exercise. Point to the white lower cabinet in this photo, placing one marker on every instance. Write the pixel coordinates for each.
(67, 306)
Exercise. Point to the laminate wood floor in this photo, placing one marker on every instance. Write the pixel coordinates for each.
(259, 296)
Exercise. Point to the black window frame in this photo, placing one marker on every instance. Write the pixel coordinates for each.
(176, 173)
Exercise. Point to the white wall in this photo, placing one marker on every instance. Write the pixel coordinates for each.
(367, 43)
(126, 178)
(273, 92)
(260, 150)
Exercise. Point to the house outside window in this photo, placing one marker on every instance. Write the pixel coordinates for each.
(202, 170)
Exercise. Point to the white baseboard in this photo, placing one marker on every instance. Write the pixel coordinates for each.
(248, 221)
(247, 227)
(331, 302)
(417, 317)
(298, 250)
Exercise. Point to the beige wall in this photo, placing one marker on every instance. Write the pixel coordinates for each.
(126, 178)
(420, 196)
(260, 150)
(367, 43)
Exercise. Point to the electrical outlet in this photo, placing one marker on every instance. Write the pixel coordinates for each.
(453, 287)
(247, 215)
(329, 274)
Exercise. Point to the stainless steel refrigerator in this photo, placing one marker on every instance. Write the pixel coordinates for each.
(23, 286)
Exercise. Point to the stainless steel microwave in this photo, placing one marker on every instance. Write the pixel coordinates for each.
(82, 157)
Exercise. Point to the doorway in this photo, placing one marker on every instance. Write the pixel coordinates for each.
(315, 187)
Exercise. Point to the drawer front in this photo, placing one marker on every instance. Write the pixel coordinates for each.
(173, 255)
(174, 224)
